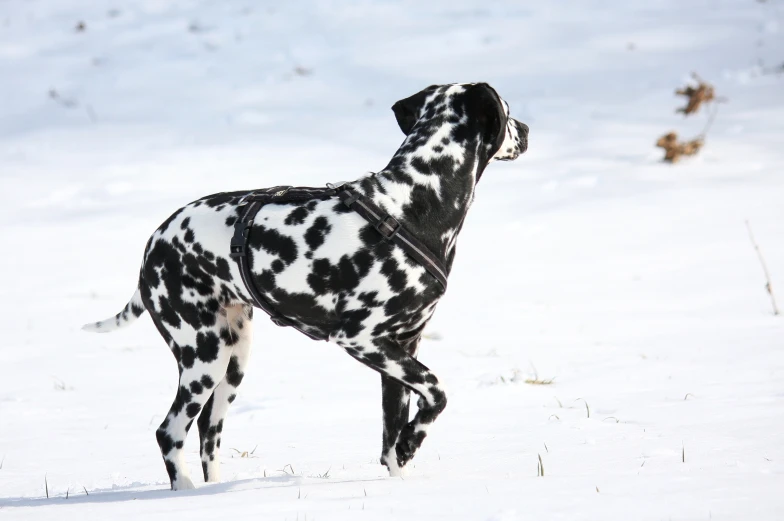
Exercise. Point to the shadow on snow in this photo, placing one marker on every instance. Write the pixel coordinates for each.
(131, 492)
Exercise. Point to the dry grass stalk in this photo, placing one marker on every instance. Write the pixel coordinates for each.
(587, 409)
(674, 150)
(768, 285)
(697, 95)
(535, 380)
(540, 467)
(245, 453)
(538, 381)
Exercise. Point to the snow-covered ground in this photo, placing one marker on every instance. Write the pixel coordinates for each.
(631, 283)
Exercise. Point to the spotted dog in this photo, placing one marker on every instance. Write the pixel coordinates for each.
(327, 269)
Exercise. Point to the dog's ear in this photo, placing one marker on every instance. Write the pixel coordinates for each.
(407, 110)
(486, 104)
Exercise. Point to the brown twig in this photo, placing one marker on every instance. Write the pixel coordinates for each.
(768, 285)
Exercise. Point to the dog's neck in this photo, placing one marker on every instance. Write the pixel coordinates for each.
(428, 185)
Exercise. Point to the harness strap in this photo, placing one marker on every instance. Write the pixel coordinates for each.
(389, 228)
(239, 252)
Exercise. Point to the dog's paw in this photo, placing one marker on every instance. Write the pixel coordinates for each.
(390, 461)
(396, 471)
(183, 483)
(407, 444)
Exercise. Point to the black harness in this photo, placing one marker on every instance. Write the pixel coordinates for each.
(389, 228)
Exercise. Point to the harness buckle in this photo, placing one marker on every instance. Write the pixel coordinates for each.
(239, 240)
(349, 199)
(389, 223)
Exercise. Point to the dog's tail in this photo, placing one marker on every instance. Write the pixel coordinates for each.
(132, 310)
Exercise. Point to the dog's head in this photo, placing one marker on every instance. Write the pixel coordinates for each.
(471, 109)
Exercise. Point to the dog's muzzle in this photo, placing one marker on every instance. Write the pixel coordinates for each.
(515, 143)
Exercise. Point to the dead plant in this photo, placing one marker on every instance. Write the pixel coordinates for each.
(696, 94)
(674, 149)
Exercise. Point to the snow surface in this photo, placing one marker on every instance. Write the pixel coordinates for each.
(631, 283)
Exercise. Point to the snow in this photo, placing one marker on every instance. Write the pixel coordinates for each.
(633, 284)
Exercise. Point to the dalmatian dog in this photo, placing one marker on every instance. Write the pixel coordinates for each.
(326, 269)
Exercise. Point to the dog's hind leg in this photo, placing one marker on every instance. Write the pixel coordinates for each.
(389, 358)
(238, 334)
(395, 398)
(203, 350)
(196, 377)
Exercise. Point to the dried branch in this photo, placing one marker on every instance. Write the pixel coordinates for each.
(768, 285)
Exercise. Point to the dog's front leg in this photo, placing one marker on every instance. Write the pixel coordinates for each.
(395, 402)
(389, 358)
(395, 399)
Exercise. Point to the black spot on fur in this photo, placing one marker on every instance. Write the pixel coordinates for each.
(396, 278)
(297, 216)
(374, 359)
(223, 271)
(207, 346)
(266, 280)
(352, 321)
(274, 243)
(192, 410)
(171, 470)
(165, 442)
(363, 260)
(188, 356)
(233, 374)
(315, 235)
(168, 314)
(228, 337)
